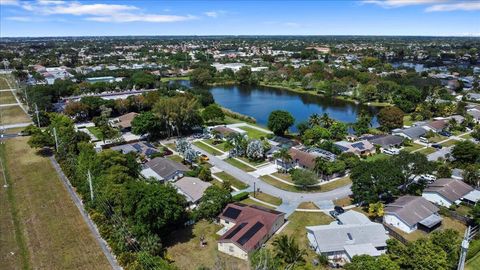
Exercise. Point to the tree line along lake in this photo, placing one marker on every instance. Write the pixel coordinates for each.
(259, 101)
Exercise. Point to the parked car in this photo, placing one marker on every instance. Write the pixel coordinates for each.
(391, 151)
(428, 178)
(337, 210)
(445, 133)
(423, 140)
(204, 157)
(437, 145)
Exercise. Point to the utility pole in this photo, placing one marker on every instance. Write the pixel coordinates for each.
(254, 190)
(36, 112)
(90, 184)
(56, 139)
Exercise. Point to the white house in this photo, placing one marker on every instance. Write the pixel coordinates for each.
(409, 213)
(448, 191)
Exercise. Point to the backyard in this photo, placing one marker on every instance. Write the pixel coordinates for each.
(253, 133)
(7, 98)
(183, 246)
(14, 114)
(96, 132)
(207, 148)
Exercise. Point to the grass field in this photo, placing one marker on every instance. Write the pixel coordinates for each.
(343, 201)
(427, 151)
(175, 158)
(307, 205)
(55, 234)
(450, 143)
(207, 148)
(220, 146)
(413, 147)
(183, 246)
(253, 133)
(473, 263)
(336, 184)
(13, 114)
(252, 202)
(242, 166)
(274, 182)
(7, 98)
(233, 181)
(3, 83)
(267, 198)
(96, 132)
(376, 157)
(284, 176)
(296, 228)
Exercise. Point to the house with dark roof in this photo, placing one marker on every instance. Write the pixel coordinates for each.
(163, 169)
(409, 213)
(359, 148)
(223, 131)
(351, 235)
(411, 133)
(247, 228)
(300, 159)
(142, 148)
(385, 141)
(448, 191)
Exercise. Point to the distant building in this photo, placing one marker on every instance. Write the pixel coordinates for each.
(385, 141)
(411, 133)
(448, 191)
(108, 79)
(359, 148)
(164, 169)
(409, 213)
(142, 148)
(247, 228)
(352, 234)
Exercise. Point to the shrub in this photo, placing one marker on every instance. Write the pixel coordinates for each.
(240, 196)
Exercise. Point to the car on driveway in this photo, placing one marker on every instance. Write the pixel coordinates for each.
(437, 145)
(204, 157)
(445, 133)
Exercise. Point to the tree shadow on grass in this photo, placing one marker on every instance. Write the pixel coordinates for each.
(182, 235)
(45, 152)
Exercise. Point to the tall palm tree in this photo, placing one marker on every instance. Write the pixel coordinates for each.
(326, 121)
(287, 249)
(320, 166)
(314, 120)
(284, 156)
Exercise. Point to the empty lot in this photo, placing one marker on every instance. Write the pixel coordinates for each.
(51, 231)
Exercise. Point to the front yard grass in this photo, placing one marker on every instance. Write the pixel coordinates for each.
(175, 158)
(96, 132)
(233, 181)
(207, 148)
(437, 138)
(274, 182)
(296, 228)
(253, 163)
(14, 114)
(220, 145)
(3, 82)
(266, 198)
(343, 201)
(284, 176)
(7, 98)
(183, 246)
(336, 184)
(54, 233)
(413, 147)
(253, 133)
(249, 201)
(427, 151)
(449, 143)
(242, 166)
(376, 157)
(171, 146)
(307, 205)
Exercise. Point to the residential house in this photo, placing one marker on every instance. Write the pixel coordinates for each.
(323, 154)
(223, 131)
(385, 141)
(164, 169)
(192, 188)
(142, 148)
(449, 191)
(412, 133)
(247, 228)
(359, 148)
(475, 113)
(473, 96)
(352, 234)
(300, 159)
(124, 122)
(436, 125)
(409, 213)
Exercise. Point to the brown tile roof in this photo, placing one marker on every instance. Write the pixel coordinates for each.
(449, 188)
(252, 224)
(125, 121)
(303, 158)
(438, 124)
(411, 209)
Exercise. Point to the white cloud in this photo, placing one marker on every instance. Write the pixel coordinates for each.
(19, 19)
(50, 2)
(153, 18)
(212, 14)
(9, 2)
(400, 3)
(89, 9)
(466, 6)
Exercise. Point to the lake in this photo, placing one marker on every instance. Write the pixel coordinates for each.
(258, 102)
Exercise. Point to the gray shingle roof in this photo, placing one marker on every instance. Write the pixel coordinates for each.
(386, 140)
(449, 188)
(411, 209)
(192, 187)
(414, 132)
(165, 167)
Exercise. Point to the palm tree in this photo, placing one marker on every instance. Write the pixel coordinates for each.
(287, 250)
(326, 121)
(320, 166)
(314, 120)
(284, 156)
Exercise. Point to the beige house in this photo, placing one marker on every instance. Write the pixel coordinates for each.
(247, 228)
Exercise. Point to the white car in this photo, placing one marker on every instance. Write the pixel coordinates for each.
(423, 140)
(391, 151)
(428, 177)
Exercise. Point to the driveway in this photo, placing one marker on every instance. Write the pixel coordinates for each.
(441, 153)
(290, 199)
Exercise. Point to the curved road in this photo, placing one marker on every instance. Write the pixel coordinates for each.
(288, 197)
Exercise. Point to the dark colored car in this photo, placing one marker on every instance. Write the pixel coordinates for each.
(437, 145)
(445, 133)
(339, 209)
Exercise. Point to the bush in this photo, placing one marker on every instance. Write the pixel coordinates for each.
(240, 196)
(473, 248)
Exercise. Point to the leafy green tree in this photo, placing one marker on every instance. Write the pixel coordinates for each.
(201, 76)
(444, 171)
(147, 123)
(363, 124)
(315, 135)
(407, 98)
(471, 175)
(245, 76)
(213, 112)
(284, 155)
(338, 131)
(180, 113)
(363, 262)
(304, 178)
(213, 201)
(466, 152)
(263, 259)
(288, 251)
(423, 254)
(476, 133)
(390, 118)
(449, 241)
(279, 121)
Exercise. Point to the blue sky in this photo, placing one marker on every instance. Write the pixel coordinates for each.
(241, 17)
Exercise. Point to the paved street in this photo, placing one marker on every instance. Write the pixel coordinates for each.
(290, 199)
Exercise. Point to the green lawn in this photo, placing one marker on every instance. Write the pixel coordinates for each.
(413, 147)
(284, 176)
(171, 146)
(473, 263)
(253, 133)
(296, 228)
(175, 158)
(376, 157)
(407, 120)
(220, 146)
(427, 151)
(207, 148)
(240, 165)
(96, 132)
(166, 79)
(307, 205)
(336, 184)
(449, 143)
(14, 114)
(437, 138)
(233, 181)
(267, 198)
(467, 136)
(7, 98)
(3, 82)
(253, 163)
(252, 202)
(274, 182)
(183, 246)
